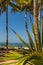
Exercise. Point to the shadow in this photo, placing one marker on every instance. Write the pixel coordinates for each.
(2, 52)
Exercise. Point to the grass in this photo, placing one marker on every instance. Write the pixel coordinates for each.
(11, 56)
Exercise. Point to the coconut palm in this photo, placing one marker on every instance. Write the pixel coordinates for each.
(22, 4)
(29, 6)
(4, 8)
(35, 57)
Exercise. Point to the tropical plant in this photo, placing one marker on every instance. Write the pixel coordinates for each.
(4, 8)
(29, 6)
(22, 4)
(35, 57)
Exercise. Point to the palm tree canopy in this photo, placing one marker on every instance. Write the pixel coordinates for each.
(22, 4)
(3, 5)
(25, 4)
(19, 5)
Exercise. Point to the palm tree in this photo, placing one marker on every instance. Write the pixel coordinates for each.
(4, 4)
(29, 5)
(35, 57)
(7, 25)
(36, 25)
(23, 4)
(4, 8)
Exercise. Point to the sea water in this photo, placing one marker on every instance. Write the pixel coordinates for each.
(12, 44)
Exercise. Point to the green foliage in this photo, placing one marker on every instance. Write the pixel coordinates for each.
(20, 38)
(29, 36)
(23, 4)
(33, 44)
(12, 56)
(33, 58)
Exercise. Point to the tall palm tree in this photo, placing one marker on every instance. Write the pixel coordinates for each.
(5, 4)
(4, 8)
(7, 25)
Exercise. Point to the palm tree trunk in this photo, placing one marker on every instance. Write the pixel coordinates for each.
(36, 27)
(39, 17)
(42, 32)
(39, 14)
(36, 22)
(7, 25)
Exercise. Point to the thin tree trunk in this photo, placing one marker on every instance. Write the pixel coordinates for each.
(7, 25)
(42, 32)
(36, 22)
(39, 17)
(36, 27)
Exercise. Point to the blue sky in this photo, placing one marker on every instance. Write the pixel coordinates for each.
(16, 21)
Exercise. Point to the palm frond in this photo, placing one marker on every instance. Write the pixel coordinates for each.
(20, 62)
(23, 4)
(31, 59)
(20, 39)
(32, 26)
(29, 36)
(2, 7)
(14, 7)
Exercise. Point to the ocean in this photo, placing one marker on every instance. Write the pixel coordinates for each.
(12, 44)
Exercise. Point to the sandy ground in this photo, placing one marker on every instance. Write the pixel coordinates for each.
(10, 61)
